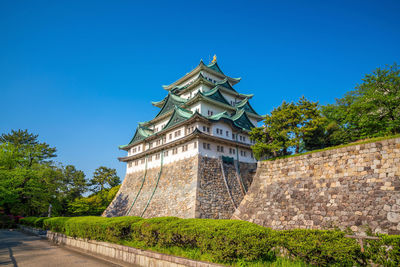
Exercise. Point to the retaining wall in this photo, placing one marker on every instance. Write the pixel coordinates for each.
(352, 187)
(189, 188)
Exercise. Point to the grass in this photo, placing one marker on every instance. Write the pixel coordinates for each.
(359, 142)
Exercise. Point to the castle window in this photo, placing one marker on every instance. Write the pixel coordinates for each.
(240, 137)
(220, 148)
(177, 133)
(184, 148)
(150, 159)
(227, 133)
(136, 162)
(244, 139)
(208, 129)
(150, 145)
(165, 153)
(210, 112)
(195, 144)
(170, 136)
(158, 156)
(164, 139)
(233, 136)
(174, 151)
(129, 164)
(251, 155)
(138, 148)
(142, 161)
(206, 146)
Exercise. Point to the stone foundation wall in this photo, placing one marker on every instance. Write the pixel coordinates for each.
(213, 200)
(174, 195)
(352, 187)
(190, 188)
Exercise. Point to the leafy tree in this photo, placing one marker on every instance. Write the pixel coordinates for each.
(287, 128)
(372, 109)
(25, 189)
(27, 174)
(94, 204)
(28, 147)
(104, 177)
(74, 182)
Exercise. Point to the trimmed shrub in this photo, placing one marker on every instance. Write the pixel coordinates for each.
(385, 251)
(321, 247)
(56, 224)
(227, 241)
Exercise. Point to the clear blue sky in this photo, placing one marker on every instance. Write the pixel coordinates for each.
(81, 74)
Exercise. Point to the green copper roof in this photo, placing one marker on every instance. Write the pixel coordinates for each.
(215, 94)
(221, 115)
(241, 120)
(170, 102)
(178, 116)
(214, 66)
(247, 95)
(245, 104)
(140, 134)
(225, 84)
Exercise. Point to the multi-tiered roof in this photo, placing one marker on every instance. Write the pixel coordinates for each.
(177, 108)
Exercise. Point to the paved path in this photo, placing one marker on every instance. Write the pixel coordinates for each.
(18, 249)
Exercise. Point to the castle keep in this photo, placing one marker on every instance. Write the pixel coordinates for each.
(193, 159)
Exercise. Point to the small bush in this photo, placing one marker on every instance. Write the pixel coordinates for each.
(385, 251)
(321, 247)
(56, 224)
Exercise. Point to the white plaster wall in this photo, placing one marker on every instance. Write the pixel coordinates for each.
(205, 88)
(213, 153)
(194, 107)
(224, 127)
(182, 129)
(138, 148)
(204, 107)
(214, 78)
(230, 98)
(156, 163)
(161, 123)
(192, 92)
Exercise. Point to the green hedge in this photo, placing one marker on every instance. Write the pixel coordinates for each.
(227, 241)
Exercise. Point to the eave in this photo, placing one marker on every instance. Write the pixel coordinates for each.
(195, 71)
(191, 136)
(195, 117)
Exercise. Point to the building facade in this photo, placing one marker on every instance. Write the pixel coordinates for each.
(202, 124)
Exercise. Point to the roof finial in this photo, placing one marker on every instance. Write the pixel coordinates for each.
(214, 59)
